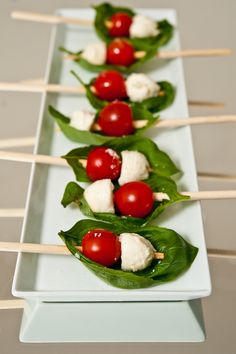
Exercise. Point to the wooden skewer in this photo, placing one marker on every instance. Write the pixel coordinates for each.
(175, 54)
(216, 176)
(206, 104)
(207, 195)
(17, 142)
(178, 122)
(24, 157)
(50, 19)
(12, 304)
(37, 87)
(12, 213)
(194, 53)
(47, 249)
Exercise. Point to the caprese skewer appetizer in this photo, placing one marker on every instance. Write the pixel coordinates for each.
(110, 85)
(120, 54)
(116, 119)
(144, 32)
(120, 160)
(127, 257)
(137, 202)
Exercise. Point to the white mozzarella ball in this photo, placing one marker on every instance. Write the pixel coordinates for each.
(137, 253)
(143, 26)
(82, 120)
(95, 53)
(135, 167)
(99, 196)
(140, 86)
(161, 196)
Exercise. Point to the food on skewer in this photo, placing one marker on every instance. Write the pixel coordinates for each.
(144, 32)
(139, 266)
(110, 85)
(121, 159)
(117, 119)
(106, 248)
(137, 202)
(102, 163)
(134, 199)
(120, 54)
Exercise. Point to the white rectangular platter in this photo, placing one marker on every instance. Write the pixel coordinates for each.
(64, 278)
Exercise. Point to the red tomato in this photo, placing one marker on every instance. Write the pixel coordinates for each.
(134, 199)
(120, 52)
(116, 119)
(103, 162)
(101, 246)
(110, 86)
(120, 24)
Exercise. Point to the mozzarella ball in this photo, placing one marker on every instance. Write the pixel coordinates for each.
(99, 196)
(137, 253)
(140, 86)
(143, 26)
(82, 120)
(95, 53)
(135, 167)
(161, 196)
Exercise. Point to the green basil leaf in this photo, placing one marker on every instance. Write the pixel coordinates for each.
(153, 104)
(105, 11)
(88, 137)
(179, 254)
(159, 161)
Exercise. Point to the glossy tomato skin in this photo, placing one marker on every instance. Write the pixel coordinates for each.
(120, 52)
(110, 86)
(101, 246)
(116, 119)
(103, 162)
(134, 199)
(120, 24)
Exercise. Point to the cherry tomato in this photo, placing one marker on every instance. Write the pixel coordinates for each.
(120, 24)
(134, 199)
(110, 86)
(116, 119)
(103, 162)
(120, 52)
(101, 246)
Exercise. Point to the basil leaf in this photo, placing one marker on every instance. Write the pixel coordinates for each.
(153, 104)
(88, 137)
(105, 11)
(178, 254)
(74, 194)
(159, 161)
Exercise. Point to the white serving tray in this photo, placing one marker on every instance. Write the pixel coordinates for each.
(61, 278)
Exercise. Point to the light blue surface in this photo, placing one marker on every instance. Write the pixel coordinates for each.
(113, 322)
